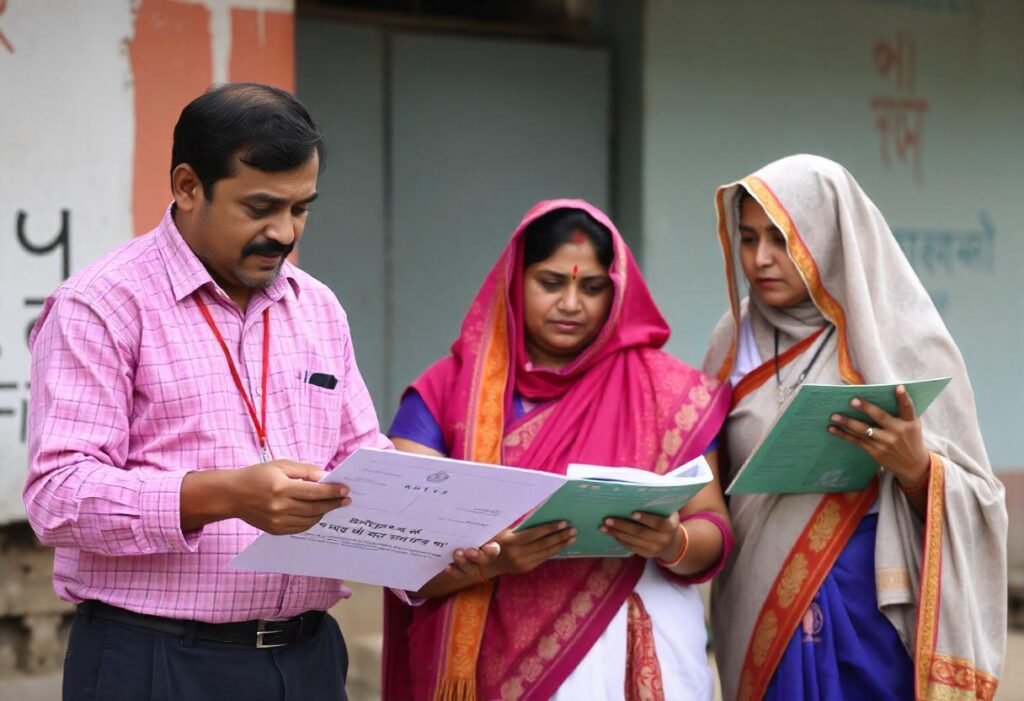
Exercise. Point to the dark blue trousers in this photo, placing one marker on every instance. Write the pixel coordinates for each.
(108, 661)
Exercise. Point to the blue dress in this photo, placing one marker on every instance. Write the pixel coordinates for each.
(845, 649)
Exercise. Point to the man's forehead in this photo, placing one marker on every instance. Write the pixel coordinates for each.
(280, 183)
(240, 167)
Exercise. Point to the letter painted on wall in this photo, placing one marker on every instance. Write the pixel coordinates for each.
(90, 93)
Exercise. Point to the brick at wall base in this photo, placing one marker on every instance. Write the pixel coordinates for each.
(34, 623)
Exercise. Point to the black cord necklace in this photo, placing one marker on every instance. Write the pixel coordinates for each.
(781, 391)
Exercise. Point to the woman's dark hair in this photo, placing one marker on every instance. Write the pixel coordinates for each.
(264, 127)
(543, 236)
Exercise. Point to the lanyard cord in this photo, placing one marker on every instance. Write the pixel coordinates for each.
(803, 375)
(258, 422)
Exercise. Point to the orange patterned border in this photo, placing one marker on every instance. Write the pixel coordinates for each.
(465, 629)
(521, 436)
(804, 261)
(465, 633)
(730, 276)
(489, 409)
(689, 414)
(801, 575)
(952, 678)
(931, 580)
(892, 579)
(549, 648)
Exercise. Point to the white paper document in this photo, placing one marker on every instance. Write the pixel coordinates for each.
(408, 516)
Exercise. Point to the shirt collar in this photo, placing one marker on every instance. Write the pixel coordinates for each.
(187, 273)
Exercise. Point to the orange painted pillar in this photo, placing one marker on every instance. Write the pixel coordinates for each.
(172, 58)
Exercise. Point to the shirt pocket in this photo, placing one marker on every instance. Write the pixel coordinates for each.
(322, 418)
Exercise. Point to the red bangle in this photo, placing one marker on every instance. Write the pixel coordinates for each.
(682, 550)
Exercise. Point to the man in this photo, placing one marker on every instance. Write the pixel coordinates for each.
(189, 390)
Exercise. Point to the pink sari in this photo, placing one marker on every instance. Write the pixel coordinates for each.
(622, 401)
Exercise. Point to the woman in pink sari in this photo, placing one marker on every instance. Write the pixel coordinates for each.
(559, 361)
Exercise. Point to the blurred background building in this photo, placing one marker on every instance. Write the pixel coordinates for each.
(447, 119)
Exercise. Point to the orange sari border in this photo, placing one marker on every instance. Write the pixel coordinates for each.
(465, 627)
(801, 575)
(957, 679)
(489, 409)
(763, 372)
(937, 676)
(804, 261)
(929, 591)
(730, 276)
(464, 635)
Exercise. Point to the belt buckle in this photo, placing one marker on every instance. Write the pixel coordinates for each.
(261, 630)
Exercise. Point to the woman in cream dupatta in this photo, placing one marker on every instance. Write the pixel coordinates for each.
(939, 551)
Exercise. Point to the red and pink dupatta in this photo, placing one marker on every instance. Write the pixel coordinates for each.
(621, 402)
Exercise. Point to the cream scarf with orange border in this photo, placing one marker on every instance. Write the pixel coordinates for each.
(940, 581)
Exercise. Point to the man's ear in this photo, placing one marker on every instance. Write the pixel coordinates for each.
(186, 187)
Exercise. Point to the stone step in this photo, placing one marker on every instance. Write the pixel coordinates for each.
(364, 660)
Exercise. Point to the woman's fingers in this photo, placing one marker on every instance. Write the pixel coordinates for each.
(524, 557)
(533, 534)
(556, 540)
(641, 524)
(904, 408)
(882, 420)
(552, 539)
(554, 543)
(877, 415)
(849, 435)
(461, 562)
(852, 427)
(644, 546)
(905, 404)
(634, 544)
(484, 555)
(655, 522)
(644, 534)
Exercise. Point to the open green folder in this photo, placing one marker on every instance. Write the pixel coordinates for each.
(592, 493)
(798, 454)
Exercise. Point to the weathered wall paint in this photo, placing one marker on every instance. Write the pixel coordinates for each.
(89, 93)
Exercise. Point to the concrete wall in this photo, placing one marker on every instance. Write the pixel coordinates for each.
(732, 85)
(438, 144)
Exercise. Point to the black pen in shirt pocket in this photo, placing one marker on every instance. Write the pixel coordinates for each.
(321, 379)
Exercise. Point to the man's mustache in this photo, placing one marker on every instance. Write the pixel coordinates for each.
(267, 248)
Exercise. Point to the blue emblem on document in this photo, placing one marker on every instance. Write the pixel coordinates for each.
(439, 476)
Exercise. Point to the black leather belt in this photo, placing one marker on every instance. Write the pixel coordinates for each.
(260, 634)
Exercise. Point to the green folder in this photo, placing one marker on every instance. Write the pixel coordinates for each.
(799, 455)
(592, 493)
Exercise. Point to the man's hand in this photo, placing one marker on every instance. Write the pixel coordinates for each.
(278, 497)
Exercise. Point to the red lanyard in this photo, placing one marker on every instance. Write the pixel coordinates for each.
(260, 422)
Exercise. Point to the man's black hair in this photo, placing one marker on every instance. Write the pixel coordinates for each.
(262, 126)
